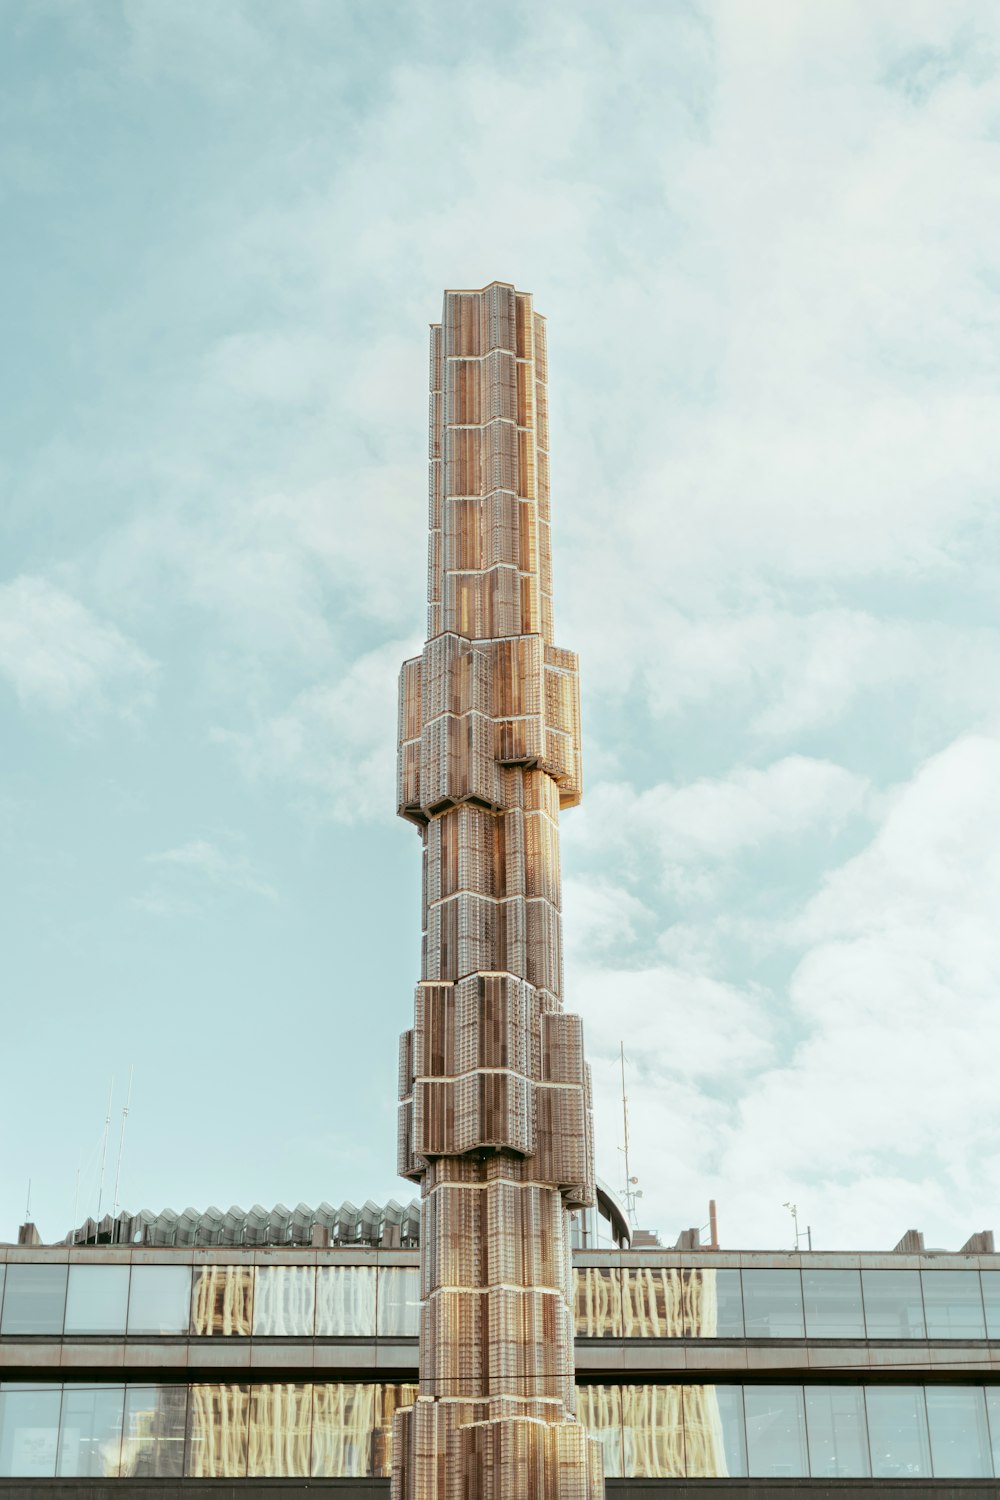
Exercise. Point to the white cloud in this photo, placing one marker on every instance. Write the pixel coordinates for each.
(713, 820)
(57, 653)
(336, 741)
(872, 1102)
(206, 861)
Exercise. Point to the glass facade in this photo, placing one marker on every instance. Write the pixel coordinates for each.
(344, 1429)
(611, 1302)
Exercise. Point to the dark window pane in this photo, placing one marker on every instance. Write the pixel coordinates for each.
(399, 1301)
(284, 1303)
(893, 1305)
(159, 1299)
(29, 1430)
(833, 1304)
(960, 1439)
(90, 1433)
(153, 1440)
(953, 1305)
(772, 1304)
(218, 1418)
(990, 1281)
(838, 1433)
(715, 1444)
(599, 1408)
(776, 1431)
(653, 1431)
(345, 1301)
(897, 1430)
(598, 1303)
(97, 1299)
(34, 1299)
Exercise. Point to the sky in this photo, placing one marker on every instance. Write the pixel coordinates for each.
(766, 241)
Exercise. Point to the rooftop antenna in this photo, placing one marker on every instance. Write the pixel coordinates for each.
(807, 1235)
(104, 1150)
(121, 1140)
(631, 1183)
(27, 1206)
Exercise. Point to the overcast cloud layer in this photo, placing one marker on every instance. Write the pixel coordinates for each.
(766, 238)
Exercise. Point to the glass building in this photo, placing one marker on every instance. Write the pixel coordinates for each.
(152, 1367)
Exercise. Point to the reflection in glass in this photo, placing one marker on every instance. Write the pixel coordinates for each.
(833, 1306)
(599, 1408)
(153, 1436)
(598, 1303)
(398, 1301)
(97, 1299)
(893, 1306)
(29, 1430)
(34, 1299)
(218, 1418)
(960, 1439)
(390, 1398)
(284, 1301)
(776, 1431)
(345, 1416)
(897, 1429)
(159, 1299)
(953, 1305)
(772, 1304)
(222, 1300)
(838, 1439)
(990, 1281)
(280, 1430)
(345, 1302)
(652, 1431)
(90, 1432)
(714, 1435)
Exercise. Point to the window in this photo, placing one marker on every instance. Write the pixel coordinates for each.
(159, 1299)
(953, 1305)
(345, 1302)
(776, 1431)
(97, 1299)
(153, 1436)
(653, 1431)
(280, 1430)
(90, 1432)
(838, 1437)
(714, 1433)
(598, 1304)
(990, 1282)
(833, 1305)
(218, 1419)
(728, 1303)
(960, 1439)
(772, 1304)
(29, 1430)
(398, 1301)
(897, 1431)
(893, 1305)
(284, 1302)
(599, 1408)
(222, 1301)
(35, 1299)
